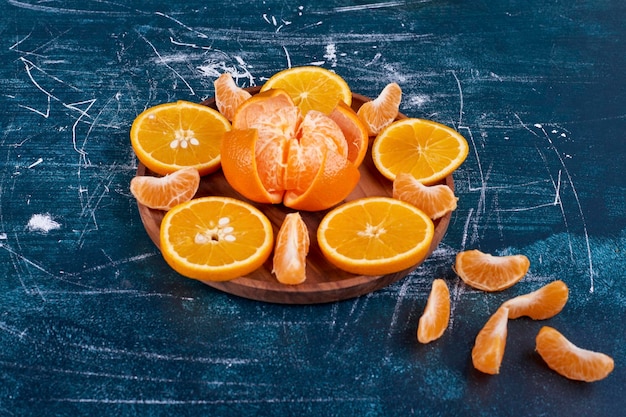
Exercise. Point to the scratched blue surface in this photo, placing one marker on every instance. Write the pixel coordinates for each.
(93, 322)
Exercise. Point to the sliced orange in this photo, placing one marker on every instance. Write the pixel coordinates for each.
(290, 251)
(163, 193)
(541, 304)
(425, 149)
(434, 321)
(569, 360)
(353, 130)
(383, 110)
(434, 200)
(177, 135)
(488, 272)
(228, 95)
(490, 343)
(215, 238)
(375, 236)
(311, 88)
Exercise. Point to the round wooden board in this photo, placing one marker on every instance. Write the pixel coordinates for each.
(325, 283)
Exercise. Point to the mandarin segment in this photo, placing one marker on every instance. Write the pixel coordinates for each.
(290, 251)
(228, 96)
(541, 304)
(434, 320)
(215, 238)
(311, 88)
(353, 130)
(487, 272)
(490, 343)
(164, 193)
(177, 135)
(434, 200)
(382, 111)
(375, 236)
(427, 150)
(569, 360)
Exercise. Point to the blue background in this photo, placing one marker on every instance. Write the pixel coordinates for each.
(92, 320)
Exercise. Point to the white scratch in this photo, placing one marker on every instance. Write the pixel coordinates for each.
(37, 162)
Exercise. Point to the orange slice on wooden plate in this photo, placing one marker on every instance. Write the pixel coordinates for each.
(427, 150)
(228, 95)
(369, 236)
(215, 238)
(382, 111)
(177, 135)
(311, 88)
(290, 251)
(434, 200)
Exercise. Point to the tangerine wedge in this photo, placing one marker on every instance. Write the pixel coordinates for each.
(382, 111)
(163, 193)
(487, 272)
(434, 320)
(434, 200)
(541, 304)
(490, 343)
(290, 251)
(569, 360)
(228, 95)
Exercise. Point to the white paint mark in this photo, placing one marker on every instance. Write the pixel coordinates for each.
(37, 162)
(331, 54)
(42, 223)
(3, 236)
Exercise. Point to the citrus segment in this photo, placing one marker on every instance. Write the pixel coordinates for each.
(311, 88)
(569, 360)
(353, 130)
(434, 321)
(290, 251)
(383, 110)
(434, 200)
(541, 304)
(488, 272)
(228, 96)
(163, 193)
(215, 238)
(240, 168)
(335, 179)
(172, 136)
(427, 150)
(375, 236)
(488, 349)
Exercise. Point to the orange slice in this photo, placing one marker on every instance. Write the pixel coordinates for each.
(434, 321)
(569, 360)
(353, 130)
(382, 111)
(490, 273)
(228, 96)
(290, 251)
(177, 135)
(368, 236)
(163, 193)
(541, 304)
(488, 349)
(311, 88)
(434, 200)
(215, 238)
(427, 150)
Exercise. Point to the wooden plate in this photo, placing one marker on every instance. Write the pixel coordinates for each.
(324, 283)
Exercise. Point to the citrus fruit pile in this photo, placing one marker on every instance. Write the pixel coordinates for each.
(490, 273)
(299, 143)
